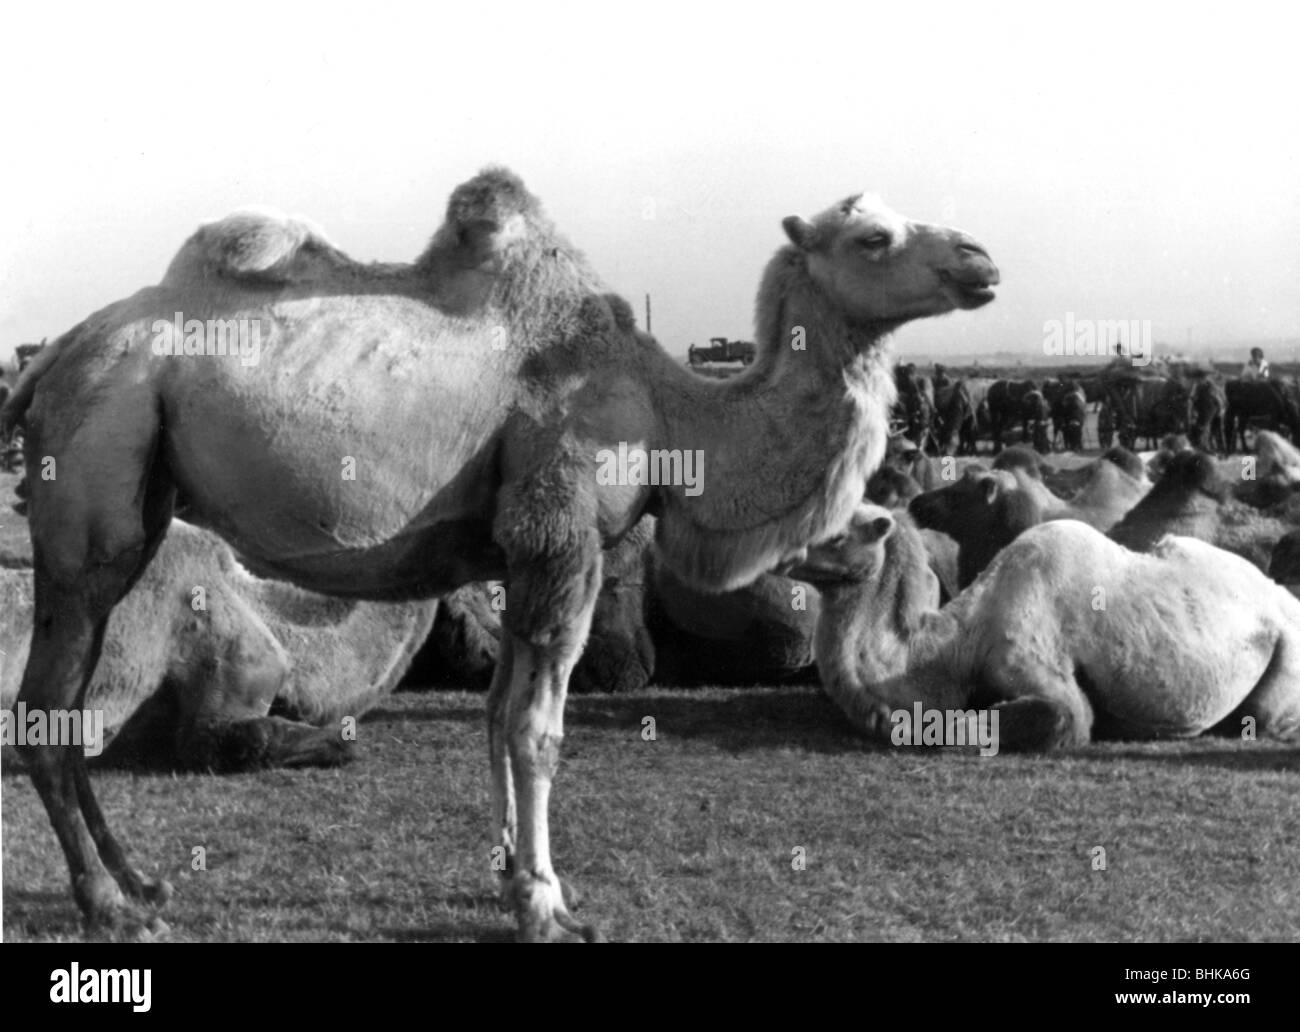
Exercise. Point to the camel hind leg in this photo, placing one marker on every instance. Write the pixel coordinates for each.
(95, 522)
(1274, 703)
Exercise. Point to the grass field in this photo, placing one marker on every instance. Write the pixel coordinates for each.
(692, 836)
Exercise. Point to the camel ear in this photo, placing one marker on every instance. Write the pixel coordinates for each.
(802, 233)
(991, 488)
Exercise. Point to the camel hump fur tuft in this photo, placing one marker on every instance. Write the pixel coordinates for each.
(254, 244)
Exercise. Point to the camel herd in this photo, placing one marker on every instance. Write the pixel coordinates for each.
(944, 415)
(414, 453)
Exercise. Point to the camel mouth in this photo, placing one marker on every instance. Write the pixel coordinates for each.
(970, 293)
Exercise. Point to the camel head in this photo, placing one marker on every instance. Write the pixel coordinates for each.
(878, 266)
(854, 555)
(1284, 567)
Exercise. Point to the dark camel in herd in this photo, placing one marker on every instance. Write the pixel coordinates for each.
(470, 393)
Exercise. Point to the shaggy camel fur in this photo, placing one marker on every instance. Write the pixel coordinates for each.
(1069, 636)
(619, 655)
(1191, 499)
(188, 687)
(406, 429)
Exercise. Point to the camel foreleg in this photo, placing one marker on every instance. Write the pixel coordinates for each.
(549, 604)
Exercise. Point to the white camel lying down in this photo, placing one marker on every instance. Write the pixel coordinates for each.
(191, 685)
(1069, 635)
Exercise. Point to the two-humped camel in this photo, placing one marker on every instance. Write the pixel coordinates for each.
(1069, 635)
(470, 396)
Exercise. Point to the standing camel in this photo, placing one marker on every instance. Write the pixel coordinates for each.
(401, 430)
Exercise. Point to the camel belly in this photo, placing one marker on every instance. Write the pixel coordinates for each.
(358, 460)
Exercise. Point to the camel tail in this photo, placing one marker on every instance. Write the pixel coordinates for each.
(15, 409)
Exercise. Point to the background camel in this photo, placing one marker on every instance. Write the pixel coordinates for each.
(620, 654)
(985, 510)
(407, 429)
(193, 688)
(1067, 634)
(1192, 499)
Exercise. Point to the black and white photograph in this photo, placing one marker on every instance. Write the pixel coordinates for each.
(670, 473)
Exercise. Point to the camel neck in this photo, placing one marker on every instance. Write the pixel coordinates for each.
(786, 446)
(875, 646)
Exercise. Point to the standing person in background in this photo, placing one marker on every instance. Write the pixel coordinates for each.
(1257, 367)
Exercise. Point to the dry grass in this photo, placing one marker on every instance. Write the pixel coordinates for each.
(690, 837)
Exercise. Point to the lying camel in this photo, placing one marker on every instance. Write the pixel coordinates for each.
(199, 649)
(1270, 481)
(1067, 636)
(619, 656)
(1284, 565)
(985, 510)
(1192, 499)
(648, 624)
(1098, 493)
(394, 431)
(462, 648)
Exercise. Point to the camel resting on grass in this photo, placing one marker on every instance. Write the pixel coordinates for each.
(1069, 636)
(1191, 498)
(199, 649)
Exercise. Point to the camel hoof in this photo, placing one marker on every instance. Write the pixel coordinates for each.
(542, 915)
(126, 923)
(153, 891)
(153, 930)
(557, 928)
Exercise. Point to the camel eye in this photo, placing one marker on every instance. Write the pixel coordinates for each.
(874, 242)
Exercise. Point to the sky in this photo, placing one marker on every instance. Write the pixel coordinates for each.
(1117, 163)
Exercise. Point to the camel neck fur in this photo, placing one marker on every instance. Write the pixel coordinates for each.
(881, 639)
(787, 445)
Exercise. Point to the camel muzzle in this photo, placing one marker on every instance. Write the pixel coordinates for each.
(973, 275)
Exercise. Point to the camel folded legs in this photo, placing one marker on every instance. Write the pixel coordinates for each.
(1040, 705)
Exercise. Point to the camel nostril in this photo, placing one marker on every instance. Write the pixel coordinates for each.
(970, 247)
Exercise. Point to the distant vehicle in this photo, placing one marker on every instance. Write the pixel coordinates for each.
(720, 349)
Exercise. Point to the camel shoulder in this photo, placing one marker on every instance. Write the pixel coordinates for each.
(257, 245)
